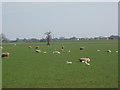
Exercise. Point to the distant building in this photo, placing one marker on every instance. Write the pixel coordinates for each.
(114, 37)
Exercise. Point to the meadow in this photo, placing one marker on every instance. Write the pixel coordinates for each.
(25, 68)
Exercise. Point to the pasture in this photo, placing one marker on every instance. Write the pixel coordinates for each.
(25, 68)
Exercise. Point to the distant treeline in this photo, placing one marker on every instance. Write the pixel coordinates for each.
(4, 39)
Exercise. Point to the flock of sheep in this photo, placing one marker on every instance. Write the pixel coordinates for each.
(37, 50)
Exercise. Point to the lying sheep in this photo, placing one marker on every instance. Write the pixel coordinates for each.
(29, 46)
(67, 62)
(38, 51)
(98, 50)
(109, 51)
(44, 52)
(84, 60)
(82, 48)
(116, 51)
(68, 50)
(5, 54)
(1, 47)
(56, 52)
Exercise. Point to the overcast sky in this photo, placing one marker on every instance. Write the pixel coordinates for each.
(82, 19)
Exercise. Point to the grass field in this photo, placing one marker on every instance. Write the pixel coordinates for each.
(27, 69)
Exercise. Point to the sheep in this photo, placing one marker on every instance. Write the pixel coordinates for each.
(98, 50)
(44, 52)
(38, 51)
(1, 47)
(5, 54)
(36, 47)
(84, 60)
(29, 46)
(109, 51)
(68, 50)
(15, 44)
(82, 48)
(67, 62)
(116, 51)
(56, 52)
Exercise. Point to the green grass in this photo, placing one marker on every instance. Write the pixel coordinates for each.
(27, 69)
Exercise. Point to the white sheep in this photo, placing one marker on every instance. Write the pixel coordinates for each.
(38, 51)
(44, 52)
(56, 52)
(67, 62)
(109, 51)
(116, 51)
(98, 50)
(68, 50)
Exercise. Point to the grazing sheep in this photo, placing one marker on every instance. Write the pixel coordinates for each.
(5, 54)
(38, 51)
(67, 62)
(15, 44)
(56, 52)
(29, 46)
(82, 48)
(36, 47)
(109, 51)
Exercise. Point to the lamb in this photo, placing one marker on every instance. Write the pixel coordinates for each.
(67, 62)
(56, 52)
(5, 54)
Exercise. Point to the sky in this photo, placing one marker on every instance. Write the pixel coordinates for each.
(63, 19)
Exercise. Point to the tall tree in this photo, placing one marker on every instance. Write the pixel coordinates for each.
(48, 37)
(3, 38)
